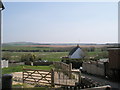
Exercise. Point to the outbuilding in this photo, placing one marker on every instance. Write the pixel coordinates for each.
(76, 53)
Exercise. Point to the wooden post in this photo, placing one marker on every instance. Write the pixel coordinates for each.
(23, 74)
(70, 70)
(79, 75)
(52, 78)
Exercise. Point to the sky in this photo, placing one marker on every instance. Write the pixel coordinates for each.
(60, 22)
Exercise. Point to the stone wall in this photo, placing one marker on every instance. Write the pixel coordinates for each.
(94, 67)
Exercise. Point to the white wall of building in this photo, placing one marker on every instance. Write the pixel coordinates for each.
(4, 63)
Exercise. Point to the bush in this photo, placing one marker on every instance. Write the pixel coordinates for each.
(28, 57)
(6, 56)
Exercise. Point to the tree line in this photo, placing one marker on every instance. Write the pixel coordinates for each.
(67, 49)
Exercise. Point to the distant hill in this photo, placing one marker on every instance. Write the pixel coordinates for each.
(32, 43)
(22, 43)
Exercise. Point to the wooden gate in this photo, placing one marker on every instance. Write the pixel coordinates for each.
(51, 78)
(38, 77)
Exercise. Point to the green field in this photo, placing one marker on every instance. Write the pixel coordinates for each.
(25, 48)
(20, 68)
(48, 55)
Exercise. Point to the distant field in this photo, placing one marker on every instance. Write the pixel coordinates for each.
(50, 56)
(53, 53)
(47, 47)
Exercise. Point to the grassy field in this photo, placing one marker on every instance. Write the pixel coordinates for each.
(20, 68)
(25, 48)
(50, 56)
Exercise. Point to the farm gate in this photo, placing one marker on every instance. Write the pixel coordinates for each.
(51, 78)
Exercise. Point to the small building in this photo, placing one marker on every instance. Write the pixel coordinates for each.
(76, 53)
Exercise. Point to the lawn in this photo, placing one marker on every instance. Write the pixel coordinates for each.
(12, 69)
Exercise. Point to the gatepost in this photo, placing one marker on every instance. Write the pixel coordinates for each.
(52, 78)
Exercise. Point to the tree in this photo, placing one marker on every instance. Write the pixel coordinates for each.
(91, 49)
(6, 56)
(28, 57)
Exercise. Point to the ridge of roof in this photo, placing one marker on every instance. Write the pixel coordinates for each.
(74, 49)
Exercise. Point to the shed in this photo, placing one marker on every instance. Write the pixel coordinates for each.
(76, 53)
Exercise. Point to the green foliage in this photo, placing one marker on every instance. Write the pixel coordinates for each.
(28, 57)
(6, 56)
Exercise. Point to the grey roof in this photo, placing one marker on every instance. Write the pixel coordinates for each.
(73, 50)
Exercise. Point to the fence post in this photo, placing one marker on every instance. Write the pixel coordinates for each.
(23, 74)
(70, 70)
(79, 75)
(52, 78)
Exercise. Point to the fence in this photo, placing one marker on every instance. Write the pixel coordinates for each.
(51, 78)
(59, 78)
(63, 66)
(62, 78)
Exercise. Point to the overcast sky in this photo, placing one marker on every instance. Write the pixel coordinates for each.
(60, 22)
